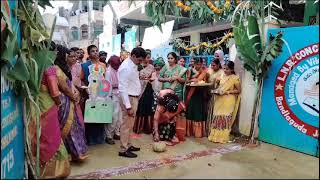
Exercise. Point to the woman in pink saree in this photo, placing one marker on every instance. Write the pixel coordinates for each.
(54, 161)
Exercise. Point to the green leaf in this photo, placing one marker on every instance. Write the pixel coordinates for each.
(19, 71)
(33, 83)
(273, 49)
(24, 44)
(10, 50)
(21, 15)
(254, 33)
(44, 3)
(42, 60)
(200, 13)
(36, 36)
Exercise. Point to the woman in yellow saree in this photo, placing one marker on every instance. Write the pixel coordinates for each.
(225, 105)
(215, 72)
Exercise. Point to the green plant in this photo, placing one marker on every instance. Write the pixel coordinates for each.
(157, 11)
(255, 52)
(199, 11)
(32, 58)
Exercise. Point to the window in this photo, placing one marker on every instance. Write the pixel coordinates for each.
(84, 31)
(74, 33)
(186, 40)
(98, 29)
(96, 5)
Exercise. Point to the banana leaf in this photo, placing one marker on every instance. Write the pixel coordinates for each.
(34, 76)
(43, 59)
(44, 3)
(273, 49)
(19, 72)
(254, 34)
(10, 49)
(246, 51)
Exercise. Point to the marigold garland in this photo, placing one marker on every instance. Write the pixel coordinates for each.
(182, 6)
(217, 10)
(212, 7)
(205, 44)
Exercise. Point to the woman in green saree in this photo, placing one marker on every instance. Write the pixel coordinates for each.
(173, 76)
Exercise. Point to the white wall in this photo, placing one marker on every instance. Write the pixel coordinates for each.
(109, 29)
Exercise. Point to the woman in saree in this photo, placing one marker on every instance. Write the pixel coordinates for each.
(54, 162)
(173, 76)
(70, 115)
(214, 75)
(226, 104)
(168, 108)
(144, 116)
(195, 102)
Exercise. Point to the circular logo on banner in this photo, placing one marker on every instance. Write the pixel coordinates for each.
(297, 90)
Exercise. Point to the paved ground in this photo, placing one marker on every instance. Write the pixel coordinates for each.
(210, 161)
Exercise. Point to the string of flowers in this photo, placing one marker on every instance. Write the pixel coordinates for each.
(218, 10)
(182, 6)
(212, 7)
(205, 44)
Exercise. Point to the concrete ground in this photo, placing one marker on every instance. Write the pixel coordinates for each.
(264, 161)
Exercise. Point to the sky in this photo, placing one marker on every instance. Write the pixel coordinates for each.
(56, 5)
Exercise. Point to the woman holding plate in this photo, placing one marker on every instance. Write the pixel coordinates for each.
(214, 75)
(225, 105)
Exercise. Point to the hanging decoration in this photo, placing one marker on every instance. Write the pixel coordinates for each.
(205, 11)
(207, 47)
(217, 10)
(182, 6)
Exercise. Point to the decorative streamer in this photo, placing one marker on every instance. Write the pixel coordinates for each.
(205, 44)
(152, 164)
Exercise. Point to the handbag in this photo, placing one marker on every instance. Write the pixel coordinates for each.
(99, 111)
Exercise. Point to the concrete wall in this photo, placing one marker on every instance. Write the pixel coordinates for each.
(194, 31)
(83, 18)
(109, 29)
(81, 43)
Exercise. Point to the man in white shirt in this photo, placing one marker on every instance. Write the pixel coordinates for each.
(129, 89)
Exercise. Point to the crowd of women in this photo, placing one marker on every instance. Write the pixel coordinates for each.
(176, 101)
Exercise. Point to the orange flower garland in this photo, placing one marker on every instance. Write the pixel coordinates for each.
(209, 3)
(205, 44)
(217, 10)
(182, 6)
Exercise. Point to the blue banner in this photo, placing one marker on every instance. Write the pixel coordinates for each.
(290, 99)
(116, 44)
(12, 128)
(130, 40)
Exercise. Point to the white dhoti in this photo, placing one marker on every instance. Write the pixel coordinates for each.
(114, 127)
